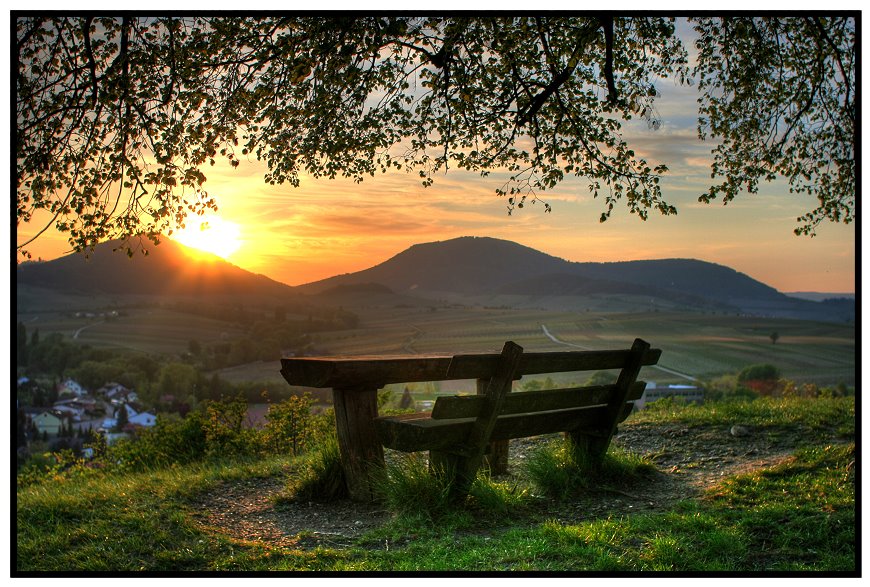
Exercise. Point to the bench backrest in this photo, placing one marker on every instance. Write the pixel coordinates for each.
(469, 406)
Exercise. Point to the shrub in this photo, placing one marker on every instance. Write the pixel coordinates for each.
(170, 441)
(762, 378)
(289, 426)
(320, 476)
(406, 485)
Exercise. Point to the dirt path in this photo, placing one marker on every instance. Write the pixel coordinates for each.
(688, 462)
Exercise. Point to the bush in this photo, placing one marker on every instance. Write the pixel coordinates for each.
(406, 485)
(763, 378)
(759, 372)
(225, 432)
(170, 441)
(727, 387)
(320, 478)
(289, 426)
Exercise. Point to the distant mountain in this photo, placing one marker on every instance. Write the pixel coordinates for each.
(168, 270)
(818, 296)
(480, 266)
(468, 265)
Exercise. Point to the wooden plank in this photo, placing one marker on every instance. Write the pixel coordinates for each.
(375, 372)
(362, 372)
(497, 456)
(478, 437)
(358, 440)
(415, 432)
(483, 365)
(468, 406)
(596, 445)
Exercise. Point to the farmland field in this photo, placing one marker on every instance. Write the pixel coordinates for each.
(694, 345)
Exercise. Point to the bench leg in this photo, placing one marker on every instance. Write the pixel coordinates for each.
(358, 443)
(594, 445)
(455, 469)
(443, 463)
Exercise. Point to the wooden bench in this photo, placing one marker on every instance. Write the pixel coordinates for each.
(461, 429)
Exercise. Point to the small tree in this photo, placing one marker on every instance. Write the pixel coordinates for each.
(763, 378)
(774, 336)
(407, 401)
(289, 426)
(122, 418)
(22, 344)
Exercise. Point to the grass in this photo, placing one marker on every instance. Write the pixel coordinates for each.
(560, 470)
(797, 516)
(318, 477)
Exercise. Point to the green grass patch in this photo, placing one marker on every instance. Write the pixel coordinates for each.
(813, 416)
(798, 516)
(561, 470)
(318, 475)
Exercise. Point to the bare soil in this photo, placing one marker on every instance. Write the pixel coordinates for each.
(688, 462)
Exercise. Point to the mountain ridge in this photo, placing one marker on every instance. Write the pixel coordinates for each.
(465, 270)
(170, 268)
(485, 266)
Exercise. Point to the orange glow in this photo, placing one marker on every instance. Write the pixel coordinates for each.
(211, 234)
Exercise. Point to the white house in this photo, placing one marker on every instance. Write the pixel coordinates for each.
(109, 423)
(117, 391)
(68, 386)
(144, 419)
(652, 392)
(69, 410)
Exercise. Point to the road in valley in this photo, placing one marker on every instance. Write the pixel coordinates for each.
(550, 335)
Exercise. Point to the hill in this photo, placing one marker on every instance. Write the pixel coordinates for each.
(482, 268)
(168, 270)
(467, 265)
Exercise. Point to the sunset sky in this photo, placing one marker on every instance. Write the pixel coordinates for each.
(327, 227)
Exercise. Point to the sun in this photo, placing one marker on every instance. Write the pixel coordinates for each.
(211, 234)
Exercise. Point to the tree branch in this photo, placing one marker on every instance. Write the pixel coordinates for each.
(89, 53)
(607, 25)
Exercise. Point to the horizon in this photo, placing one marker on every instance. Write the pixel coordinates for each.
(330, 227)
(197, 253)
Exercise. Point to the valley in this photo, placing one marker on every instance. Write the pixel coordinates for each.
(705, 323)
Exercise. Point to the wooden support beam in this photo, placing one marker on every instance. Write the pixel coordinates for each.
(497, 456)
(358, 442)
(596, 443)
(481, 431)
(416, 432)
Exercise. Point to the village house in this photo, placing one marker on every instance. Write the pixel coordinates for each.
(117, 393)
(144, 419)
(69, 411)
(48, 422)
(134, 418)
(87, 405)
(653, 392)
(70, 387)
(109, 423)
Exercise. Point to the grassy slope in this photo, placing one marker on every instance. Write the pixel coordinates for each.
(794, 517)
